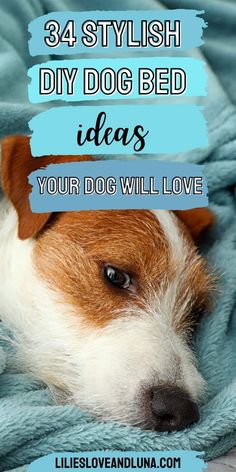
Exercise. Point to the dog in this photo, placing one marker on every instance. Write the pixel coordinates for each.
(103, 305)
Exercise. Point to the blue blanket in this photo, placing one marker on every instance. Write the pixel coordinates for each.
(31, 425)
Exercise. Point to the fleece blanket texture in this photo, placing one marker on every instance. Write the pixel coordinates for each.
(31, 425)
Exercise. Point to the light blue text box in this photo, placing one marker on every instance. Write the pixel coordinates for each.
(171, 129)
(118, 170)
(191, 30)
(196, 78)
(183, 461)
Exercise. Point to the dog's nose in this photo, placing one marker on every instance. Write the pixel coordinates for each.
(172, 408)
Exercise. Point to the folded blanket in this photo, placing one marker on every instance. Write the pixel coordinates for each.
(31, 425)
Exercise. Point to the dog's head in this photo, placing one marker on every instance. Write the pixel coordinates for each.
(108, 302)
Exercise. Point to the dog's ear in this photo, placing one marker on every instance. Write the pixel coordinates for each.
(197, 220)
(17, 164)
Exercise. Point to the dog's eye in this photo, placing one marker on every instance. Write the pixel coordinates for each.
(117, 277)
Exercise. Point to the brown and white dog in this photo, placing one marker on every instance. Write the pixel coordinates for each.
(103, 304)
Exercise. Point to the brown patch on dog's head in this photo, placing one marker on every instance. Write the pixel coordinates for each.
(72, 253)
(17, 164)
(74, 250)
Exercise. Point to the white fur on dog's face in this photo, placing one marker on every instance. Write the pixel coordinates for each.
(105, 347)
